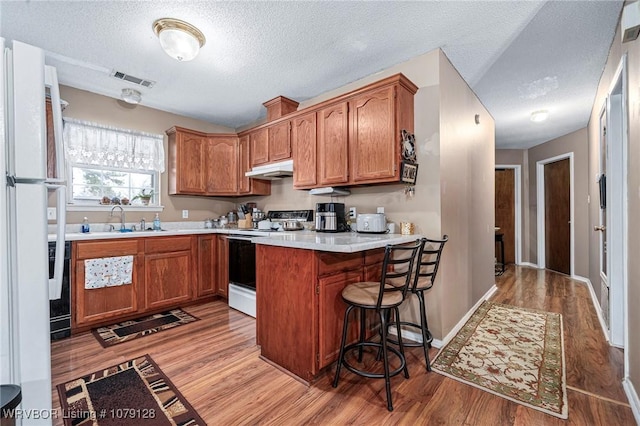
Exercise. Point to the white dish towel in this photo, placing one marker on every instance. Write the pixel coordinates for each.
(108, 271)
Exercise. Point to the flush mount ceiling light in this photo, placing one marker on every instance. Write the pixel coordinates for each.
(131, 96)
(179, 39)
(539, 116)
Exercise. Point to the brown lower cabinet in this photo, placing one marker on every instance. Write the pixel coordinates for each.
(168, 272)
(223, 267)
(300, 311)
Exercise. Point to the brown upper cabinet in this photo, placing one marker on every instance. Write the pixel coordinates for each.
(279, 141)
(259, 147)
(303, 140)
(333, 148)
(374, 142)
(271, 144)
(209, 164)
(352, 139)
(187, 161)
(358, 136)
(246, 185)
(222, 165)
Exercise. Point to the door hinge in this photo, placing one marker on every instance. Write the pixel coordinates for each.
(317, 288)
(318, 358)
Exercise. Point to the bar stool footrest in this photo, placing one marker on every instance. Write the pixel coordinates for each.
(405, 343)
(369, 374)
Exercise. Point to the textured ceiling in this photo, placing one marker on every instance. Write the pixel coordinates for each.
(518, 56)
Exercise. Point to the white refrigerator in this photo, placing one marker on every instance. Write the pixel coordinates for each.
(25, 285)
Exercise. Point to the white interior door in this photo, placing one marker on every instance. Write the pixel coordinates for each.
(601, 227)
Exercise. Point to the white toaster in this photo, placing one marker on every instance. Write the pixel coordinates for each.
(373, 223)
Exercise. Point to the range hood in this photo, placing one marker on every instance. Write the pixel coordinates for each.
(272, 171)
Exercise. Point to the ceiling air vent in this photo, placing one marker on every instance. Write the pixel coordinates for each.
(131, 79)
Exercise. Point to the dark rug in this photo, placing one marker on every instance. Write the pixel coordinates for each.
(135, 392)
(129, 330)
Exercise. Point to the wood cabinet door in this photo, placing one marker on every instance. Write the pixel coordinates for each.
(222, 166)
(280, 141)
(259, 147)
(223, 266)
(244, 165)
(207, 265)
(96, 305)
(191, 163)
(168, 279)
(303, 140)
(331, 309)
(333, 147)
(372, 143)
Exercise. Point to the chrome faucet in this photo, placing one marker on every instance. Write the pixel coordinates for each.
(122, 223)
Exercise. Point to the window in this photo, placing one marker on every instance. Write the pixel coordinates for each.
(105, 162)
(92, 184)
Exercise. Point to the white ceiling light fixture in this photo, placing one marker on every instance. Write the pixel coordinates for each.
(179, 39)
(131, 96)
(539, 116)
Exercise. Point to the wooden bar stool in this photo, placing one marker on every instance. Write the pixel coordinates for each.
(424, 278)
(383, 297)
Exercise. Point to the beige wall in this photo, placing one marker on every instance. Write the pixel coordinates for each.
(576, 143)
(89, 106)
(632, 50)
(520, 157)
(467, 195)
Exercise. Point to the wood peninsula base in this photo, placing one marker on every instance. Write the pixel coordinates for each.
(300, 311)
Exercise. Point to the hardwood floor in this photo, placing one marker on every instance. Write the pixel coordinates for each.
(215, 365)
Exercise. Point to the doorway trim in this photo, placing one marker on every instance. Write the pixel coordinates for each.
(541, 209)
(518, 207)
(617, 108)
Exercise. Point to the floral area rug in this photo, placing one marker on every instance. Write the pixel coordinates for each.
(135, 393)
(129, 330)
(515, 353)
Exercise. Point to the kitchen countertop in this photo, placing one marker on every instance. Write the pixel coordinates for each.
(346, 242)
(343, 242)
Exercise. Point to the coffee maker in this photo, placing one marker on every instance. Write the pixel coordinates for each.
(330, 217)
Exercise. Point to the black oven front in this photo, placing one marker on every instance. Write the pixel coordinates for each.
(242, 261)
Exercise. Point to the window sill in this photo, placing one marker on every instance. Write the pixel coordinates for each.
(108, 207)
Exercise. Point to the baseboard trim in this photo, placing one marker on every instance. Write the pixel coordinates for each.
(412, 335)
(632, 395)
(596, 305)
(531, 265)
(416, 337)
(466, 317)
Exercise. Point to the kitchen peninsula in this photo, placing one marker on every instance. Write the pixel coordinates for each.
(299, 280)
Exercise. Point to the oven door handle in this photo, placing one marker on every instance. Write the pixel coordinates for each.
(238, 237)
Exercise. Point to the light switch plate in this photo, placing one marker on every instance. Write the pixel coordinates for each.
(380, 210)
(51, 213)
(185, 214)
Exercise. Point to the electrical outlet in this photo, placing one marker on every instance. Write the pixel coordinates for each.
(352, 213)
(185, 214)
(51, 213)
(380, 210)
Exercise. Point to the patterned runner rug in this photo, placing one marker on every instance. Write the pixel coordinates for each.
(515, 353)
(129, 330)
(135, 392)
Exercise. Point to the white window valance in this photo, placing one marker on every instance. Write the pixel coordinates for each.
(96, 144)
